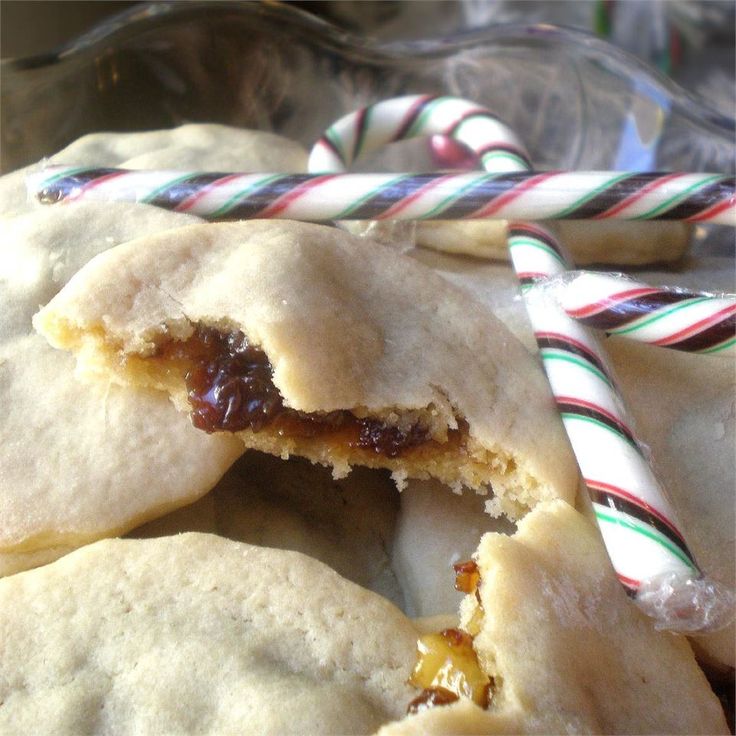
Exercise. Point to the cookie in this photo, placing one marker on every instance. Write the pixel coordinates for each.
(82, 462)
(197, 634)
(348, 524)
(565, 649)
(613, 241)
(105, 459)
(302, 339)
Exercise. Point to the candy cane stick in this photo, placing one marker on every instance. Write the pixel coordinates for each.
(474, 195)
(672, 318)
(637, 522)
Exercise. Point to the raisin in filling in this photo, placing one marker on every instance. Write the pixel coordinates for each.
(230, 388)
(467, 576)
(431, 697)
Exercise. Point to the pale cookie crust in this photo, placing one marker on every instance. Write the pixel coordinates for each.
(568, 651)
(346, 324)
(613, 241)
(196, 634)
(292, 504)
(85, 461)
(81, 462)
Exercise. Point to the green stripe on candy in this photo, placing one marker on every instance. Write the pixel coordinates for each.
(677, 198)
(646, 532)
(336, 141)
(520, 241)
(590, 195)
(507, 155)
(717, 348)
(152, 195)
(356, 205)
(233, 201)
(67, 172)
(447, 202)
(553, 354)
(653, 318)
(602, 425)
(416, 127)
(362, 132)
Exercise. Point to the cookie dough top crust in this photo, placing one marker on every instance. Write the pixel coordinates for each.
(197, 634)
(346, 325)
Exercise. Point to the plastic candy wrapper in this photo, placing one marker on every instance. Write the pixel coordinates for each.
(397, 234)
(687, 604)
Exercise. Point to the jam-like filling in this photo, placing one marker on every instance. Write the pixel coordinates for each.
(447, 662)
(467, 576)
(431, 697)
(230, 388)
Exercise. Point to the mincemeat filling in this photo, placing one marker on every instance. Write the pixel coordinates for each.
(230, 388)
(448, 666)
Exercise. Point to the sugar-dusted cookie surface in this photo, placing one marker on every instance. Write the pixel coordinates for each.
(567, 650)
(439, 386)
(196, 634)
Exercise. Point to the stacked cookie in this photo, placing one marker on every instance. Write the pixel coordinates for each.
(196, 342)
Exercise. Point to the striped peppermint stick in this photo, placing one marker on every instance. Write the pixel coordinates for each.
(636, 520)
(673, 318)
(547, 195)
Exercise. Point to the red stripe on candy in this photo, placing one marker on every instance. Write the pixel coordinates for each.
(189, 202)
(529, 228)
(566, 338)
(697, 326)
(595, 407)
(404, 203)
(714, 210)
(617, 491)
(504, 199)
(280, 204)
(629, 582)
(411, 115)
(636, 196)
(610, 301)
(473, 112)
(94, 183)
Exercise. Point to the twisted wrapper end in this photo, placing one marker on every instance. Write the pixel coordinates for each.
(687, 604)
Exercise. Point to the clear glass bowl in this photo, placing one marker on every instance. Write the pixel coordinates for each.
(576, 101)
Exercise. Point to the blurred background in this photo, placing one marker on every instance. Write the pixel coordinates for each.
(583, 103)
(30, 27)
(693, 41)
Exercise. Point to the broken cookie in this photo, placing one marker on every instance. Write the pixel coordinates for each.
(302, 339)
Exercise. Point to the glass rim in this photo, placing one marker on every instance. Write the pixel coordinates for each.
(123, 26)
